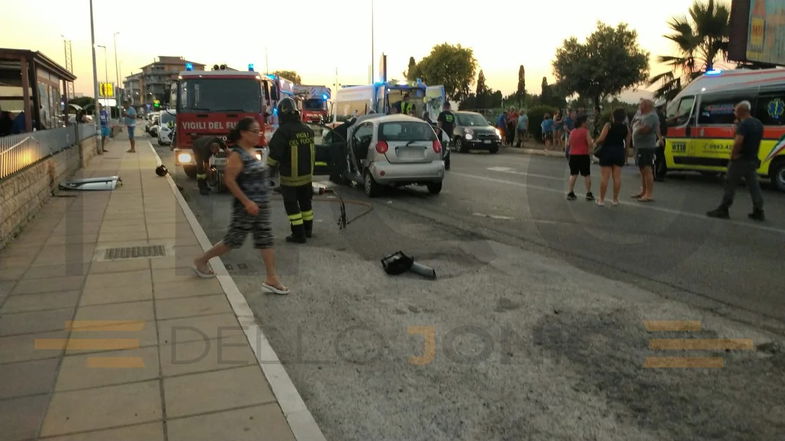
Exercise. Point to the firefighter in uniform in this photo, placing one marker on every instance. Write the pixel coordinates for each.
(292, 150)
(205, 147)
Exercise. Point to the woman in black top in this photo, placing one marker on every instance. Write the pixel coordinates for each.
(615, 138)
(246, 179)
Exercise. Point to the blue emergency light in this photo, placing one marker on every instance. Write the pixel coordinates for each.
(713, 72)
(250, 68)
(324, 96)
(189, 66)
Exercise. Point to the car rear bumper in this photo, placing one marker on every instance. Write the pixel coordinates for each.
(387, 173)
(481, 144)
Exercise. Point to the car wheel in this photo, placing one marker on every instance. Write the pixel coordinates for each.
(459, 146)
(435, 188)
(494, 148)
(370, 186)
(777, 174)
(190, 171)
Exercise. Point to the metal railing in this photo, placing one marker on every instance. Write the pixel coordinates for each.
(20, 151)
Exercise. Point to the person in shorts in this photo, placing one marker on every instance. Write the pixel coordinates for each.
(580, 159)
(646, 137)
(614, 139)
(103, 115)
(547, 130)
(130, 124)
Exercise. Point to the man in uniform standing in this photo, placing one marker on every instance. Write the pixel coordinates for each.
(292, 150)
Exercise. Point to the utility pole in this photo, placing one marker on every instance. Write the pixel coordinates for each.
(116, 69)
(96, 120)
(372, 42)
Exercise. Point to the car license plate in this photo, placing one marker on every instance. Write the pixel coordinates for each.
(487, 141)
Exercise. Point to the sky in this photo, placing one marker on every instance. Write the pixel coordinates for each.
(318, 38)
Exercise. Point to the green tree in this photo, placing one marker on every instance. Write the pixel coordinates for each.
(699, 40)
(289, 75)
(481, 93)
(411, 72)
(521, 92)
(452, 66)
(608, 62)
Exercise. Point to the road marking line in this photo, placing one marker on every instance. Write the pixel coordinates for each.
(672, 325)
(701, 344)
(115, 362)
(104, 325)
(86, 343)
(684, 362)
(629, 204)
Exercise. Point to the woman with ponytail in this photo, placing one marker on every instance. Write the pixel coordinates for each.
(246, 179)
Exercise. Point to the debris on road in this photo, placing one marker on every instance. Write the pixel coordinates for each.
(92, 184)
(399, 263)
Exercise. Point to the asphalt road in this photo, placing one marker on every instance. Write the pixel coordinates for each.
(534, 328)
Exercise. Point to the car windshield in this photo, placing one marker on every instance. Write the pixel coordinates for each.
(313, 104)
(470, 119)
(221, 95)
(406, 131)
(167, 117)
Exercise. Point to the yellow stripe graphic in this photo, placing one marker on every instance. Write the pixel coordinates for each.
(701, 344)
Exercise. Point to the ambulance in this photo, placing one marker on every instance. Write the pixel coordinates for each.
(353, 101)
(701, 124)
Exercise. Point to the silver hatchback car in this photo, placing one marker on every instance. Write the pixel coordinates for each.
(397, 150)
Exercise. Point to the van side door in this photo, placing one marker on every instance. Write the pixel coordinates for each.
(680, 126)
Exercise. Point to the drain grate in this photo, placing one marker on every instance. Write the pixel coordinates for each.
(135, 252)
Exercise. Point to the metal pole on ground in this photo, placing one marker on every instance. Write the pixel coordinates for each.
(96, 119)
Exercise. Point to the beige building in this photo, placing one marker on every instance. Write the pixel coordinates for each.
(153, 82)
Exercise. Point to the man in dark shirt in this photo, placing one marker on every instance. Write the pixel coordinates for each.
(446, 120)
(744, 164)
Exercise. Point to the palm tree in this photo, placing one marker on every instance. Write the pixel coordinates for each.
(700, 40)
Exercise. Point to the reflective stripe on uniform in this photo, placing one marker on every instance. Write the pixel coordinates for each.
(308, 215)
(201, 176)
(296, 219)
(295, 165)
(320, 164)
(295, 182)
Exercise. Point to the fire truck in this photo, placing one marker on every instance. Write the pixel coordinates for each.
(314, 102)
(210, 103)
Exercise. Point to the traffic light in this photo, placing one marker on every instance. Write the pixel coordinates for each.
(156, 104)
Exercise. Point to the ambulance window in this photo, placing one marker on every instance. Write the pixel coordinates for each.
(718, 109)
(679, 114)
(770, 109)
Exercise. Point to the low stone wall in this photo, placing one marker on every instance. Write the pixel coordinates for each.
(23, 194)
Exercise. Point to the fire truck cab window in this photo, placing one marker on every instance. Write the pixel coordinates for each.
(221, 95)
(314, 104)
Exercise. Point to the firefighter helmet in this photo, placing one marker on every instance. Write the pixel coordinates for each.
(287, 106)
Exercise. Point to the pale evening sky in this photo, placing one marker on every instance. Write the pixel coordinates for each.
(316, 37)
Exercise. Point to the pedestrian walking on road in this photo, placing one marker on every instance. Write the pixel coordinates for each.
(613, 142)
(292, 152)
(130, 124)
(246, 179)
(522, 127)
(646, 137)
(580, 160)
(546, 126)
(744, 164)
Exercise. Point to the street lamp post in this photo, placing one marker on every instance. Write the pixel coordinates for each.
(95, 76)
(116, 65)
(106, 73)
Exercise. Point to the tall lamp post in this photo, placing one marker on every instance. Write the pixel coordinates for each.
(95, 77)
(117, 67)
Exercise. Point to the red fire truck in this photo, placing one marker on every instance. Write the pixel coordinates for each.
(314, 103)
(210, 103)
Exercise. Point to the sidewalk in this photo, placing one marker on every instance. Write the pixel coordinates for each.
(96, 345)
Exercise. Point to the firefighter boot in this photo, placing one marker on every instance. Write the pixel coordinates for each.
(203, 188)
(298, 234)
(308, 228)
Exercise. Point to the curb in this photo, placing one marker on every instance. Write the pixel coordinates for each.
(297, 415)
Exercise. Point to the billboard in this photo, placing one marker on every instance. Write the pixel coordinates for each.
(758, 31)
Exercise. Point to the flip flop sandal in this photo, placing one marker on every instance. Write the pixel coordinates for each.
(203, 275)
(274, 290)
(645, 200)
(636, 196)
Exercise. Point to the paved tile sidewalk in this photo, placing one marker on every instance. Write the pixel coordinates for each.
(128, 349)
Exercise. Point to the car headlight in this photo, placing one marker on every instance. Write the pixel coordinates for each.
(498, 133)
(258, 156)
(469, 136)
(184, 158)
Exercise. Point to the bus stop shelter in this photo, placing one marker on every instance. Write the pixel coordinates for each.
(33, 84)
